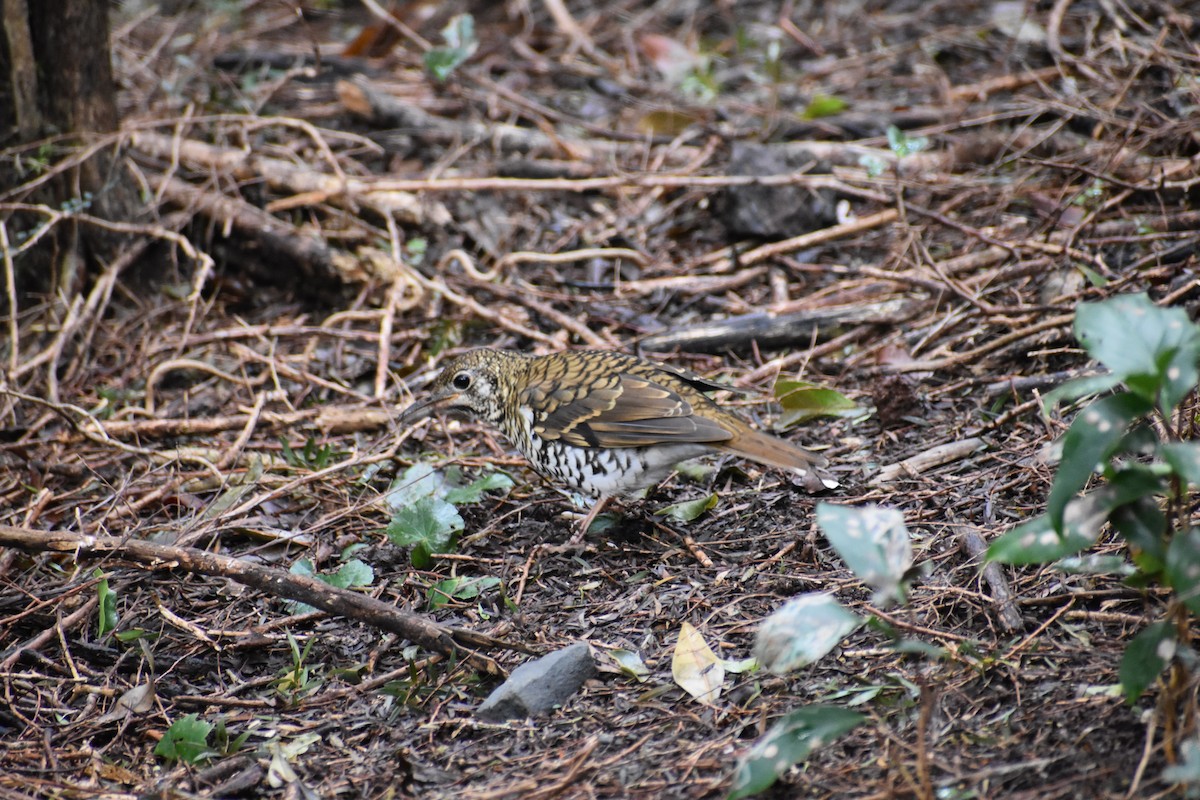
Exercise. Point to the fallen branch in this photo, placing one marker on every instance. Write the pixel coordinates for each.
(772, 331)
(308, 187)
(275, 582)
(929, 459)
(1002, 597)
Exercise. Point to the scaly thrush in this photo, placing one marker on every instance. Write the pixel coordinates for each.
(603, 423)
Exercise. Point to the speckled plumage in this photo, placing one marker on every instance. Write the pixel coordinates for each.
(603, 423)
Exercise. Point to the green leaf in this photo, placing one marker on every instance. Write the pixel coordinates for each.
(352, 573)
(874, 543)
(473, 493)
(1183, 567)
(1153, 350)
(737, 666)
(1184, 458)
(1144, 526)
(1034, 542)
(427, 527)
(1079, 387)
(823, 105)
(788, 742)
(443, 592)
(107, 605)
(1145, 658)
(1037, 542)
(802, 401)
(915, 647)
(1091, 439)
(459, 34)
(431, 521)
(417, 483)
(689, 509)
(802, 631)
(186, 740)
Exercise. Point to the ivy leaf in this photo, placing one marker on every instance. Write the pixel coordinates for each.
(473, 493)
(417, 483)
(186, 740)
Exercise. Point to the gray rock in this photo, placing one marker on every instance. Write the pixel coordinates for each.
(536, 687)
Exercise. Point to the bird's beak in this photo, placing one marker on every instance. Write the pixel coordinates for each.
(426, 408)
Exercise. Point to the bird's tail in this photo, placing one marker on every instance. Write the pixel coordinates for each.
(770, 450)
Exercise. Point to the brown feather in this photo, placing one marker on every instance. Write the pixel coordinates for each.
(770, 450)
(637, 412)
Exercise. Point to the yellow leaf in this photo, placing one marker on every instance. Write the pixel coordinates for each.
(695, 667)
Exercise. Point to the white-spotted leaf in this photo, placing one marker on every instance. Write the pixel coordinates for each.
(787, 743)
(801, 631)
(874, 543)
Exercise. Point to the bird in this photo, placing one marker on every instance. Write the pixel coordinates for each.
(604, 423)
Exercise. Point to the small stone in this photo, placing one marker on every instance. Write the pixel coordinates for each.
(536, 687)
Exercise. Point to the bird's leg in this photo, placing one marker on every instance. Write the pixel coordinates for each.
(597, 507)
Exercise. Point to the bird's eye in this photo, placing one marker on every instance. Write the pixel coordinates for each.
(462, 381)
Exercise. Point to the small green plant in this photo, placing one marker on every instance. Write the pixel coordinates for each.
(106, 605)
(902, 144)
(351, 574)
(425, 508)
(298, 679)
(312, 456)
(457, 589)
(187, 741)
(823, 105)
(1137, 437)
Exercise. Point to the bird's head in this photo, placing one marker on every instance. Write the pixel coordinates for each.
(475, 384)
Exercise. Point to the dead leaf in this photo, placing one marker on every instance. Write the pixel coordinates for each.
(695, 667)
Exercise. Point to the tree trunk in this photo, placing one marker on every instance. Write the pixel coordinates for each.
(59, 98)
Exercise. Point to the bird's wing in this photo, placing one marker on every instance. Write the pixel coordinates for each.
(622, 411)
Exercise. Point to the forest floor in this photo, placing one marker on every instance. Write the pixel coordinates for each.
(323, 232)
